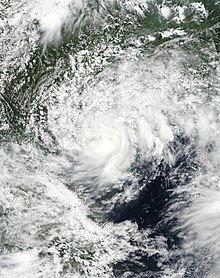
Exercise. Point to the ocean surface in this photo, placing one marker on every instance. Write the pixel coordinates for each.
(109, 139)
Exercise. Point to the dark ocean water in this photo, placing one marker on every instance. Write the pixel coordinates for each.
(109, 139)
